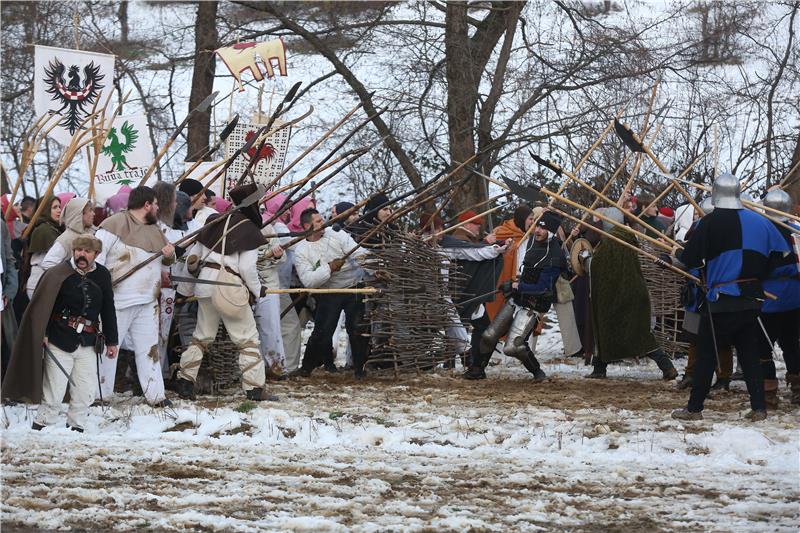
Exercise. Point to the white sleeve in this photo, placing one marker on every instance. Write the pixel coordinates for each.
(109, 240)
(473, 254)
(347, 243)
(54, 256)
(249, 272)
(312, 272)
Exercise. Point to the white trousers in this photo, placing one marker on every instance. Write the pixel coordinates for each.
(138, 326)
(570, 337)
(457, 330)
(167, 306)
(242, 331)
(291, 331)
(82, 368)
(267, 311)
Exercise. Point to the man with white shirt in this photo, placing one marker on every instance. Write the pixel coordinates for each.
(319, 264)
(128, 239)
(227, 251)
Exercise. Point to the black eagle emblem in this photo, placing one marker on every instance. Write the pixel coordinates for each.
(76, 97)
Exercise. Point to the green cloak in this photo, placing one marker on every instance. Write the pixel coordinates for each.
(620, 301)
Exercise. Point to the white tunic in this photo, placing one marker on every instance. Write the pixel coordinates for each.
(144, 286)
(311, 261)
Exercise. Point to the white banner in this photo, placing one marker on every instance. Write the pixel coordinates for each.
(68, 82)
(127, 145)
(108, 184)
(270, 160)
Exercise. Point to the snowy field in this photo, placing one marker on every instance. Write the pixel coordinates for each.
(427, 453)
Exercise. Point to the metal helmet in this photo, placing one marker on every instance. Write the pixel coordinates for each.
(707, 205)
(780, 200)
(747, 197)
(725, 192)
(614, 214)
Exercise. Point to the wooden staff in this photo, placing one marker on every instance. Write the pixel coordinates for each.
(755, 207)
(467, 221)
(785, 180)
(564, 183)
(33, 140)
(73, 148)
(632, 247)
(319, 141)
(630, 138)
(490, 200)
(199, 109)
(612, 203)
(672, 183)
(297, 290)
(597, 214)
(645, 128)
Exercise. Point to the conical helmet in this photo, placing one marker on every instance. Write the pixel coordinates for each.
(614, 214)
(778, 199)
(725, 193)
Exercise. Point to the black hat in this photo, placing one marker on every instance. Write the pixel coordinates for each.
(190, 186)
(341, 207)
(550, 221)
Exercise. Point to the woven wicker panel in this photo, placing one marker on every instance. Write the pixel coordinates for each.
(221, 362)
(665, 302)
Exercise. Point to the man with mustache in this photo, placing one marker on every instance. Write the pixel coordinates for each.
(63, 317)
(129, 238)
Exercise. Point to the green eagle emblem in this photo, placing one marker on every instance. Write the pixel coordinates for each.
(117, 150)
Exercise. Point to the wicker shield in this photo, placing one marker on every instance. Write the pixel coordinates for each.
(575, 256)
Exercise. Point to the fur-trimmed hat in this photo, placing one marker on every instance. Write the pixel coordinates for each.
(87, 241)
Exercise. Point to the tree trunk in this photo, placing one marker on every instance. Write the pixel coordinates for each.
(462, 97)
(206, 41)
(793, 179)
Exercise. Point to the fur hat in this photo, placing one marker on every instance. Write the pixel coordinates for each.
(87, 241)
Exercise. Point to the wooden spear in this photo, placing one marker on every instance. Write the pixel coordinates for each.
(73, 148)
(633, 142)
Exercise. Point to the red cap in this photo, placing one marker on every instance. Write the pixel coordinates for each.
(667, 212)
(463, 217)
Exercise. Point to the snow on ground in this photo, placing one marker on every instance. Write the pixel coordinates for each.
(423, 453)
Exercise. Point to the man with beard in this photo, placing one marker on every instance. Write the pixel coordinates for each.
(227, 251)
(63, 316)
(129, 238)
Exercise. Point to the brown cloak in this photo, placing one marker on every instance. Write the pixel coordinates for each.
(243, 234)
(23, 379)
(133, 233)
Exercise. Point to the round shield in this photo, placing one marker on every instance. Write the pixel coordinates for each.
(575, 258)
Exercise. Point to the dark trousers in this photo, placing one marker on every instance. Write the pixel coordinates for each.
(479, 325)
(783, 328)
(319, 349)
(741, 330)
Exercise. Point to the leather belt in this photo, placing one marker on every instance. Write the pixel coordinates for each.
(78, 323)
(215, 266)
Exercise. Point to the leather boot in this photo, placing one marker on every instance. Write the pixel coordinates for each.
(771, 393)
(258, 395)
(185, 389)
(667, 369)
(685, 382)
(793, 380)
(532, 365)
(721, 384)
